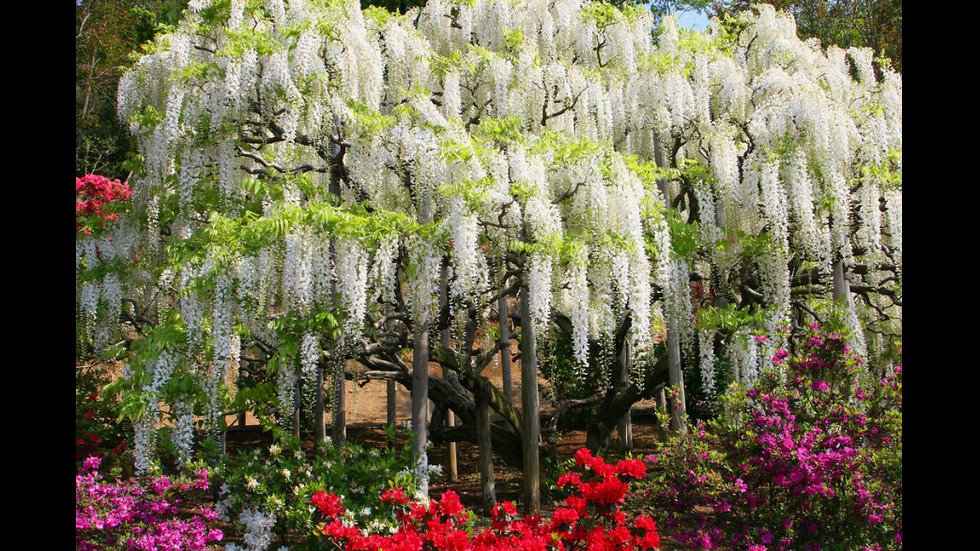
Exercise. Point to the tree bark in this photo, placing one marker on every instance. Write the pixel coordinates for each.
(617, 403)
(505, 440)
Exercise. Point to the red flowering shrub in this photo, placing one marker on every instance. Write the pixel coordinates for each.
(98, 431)
(98, 200)
(590, 518)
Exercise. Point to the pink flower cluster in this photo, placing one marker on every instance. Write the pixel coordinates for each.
(813, 462)
(130, 515)
(591, 518)
(97, 199)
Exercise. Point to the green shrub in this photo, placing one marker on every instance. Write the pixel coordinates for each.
(268, 491)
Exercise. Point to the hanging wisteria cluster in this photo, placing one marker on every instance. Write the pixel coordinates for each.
(317, 157)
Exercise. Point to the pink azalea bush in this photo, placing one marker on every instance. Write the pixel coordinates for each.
(591, 517)
(139, 515)
(810, 458)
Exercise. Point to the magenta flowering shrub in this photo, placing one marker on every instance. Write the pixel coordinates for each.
(139, 515)
(809, 458)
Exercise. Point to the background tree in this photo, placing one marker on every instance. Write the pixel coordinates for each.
(875, 24)
(394, 6)
(660, 8)
(107, 32)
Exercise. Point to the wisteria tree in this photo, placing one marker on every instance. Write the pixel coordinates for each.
(324, 186)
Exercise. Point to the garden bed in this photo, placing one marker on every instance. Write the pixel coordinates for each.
(467, 482)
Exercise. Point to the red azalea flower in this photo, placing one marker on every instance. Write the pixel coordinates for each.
(583, 457)
(568, 478)
(338, 530)
(395, 495)
(328, 504)
(650, 541)
(563, 516)
(611, 490)
(634, 468)
(578, 504)
(451, 505)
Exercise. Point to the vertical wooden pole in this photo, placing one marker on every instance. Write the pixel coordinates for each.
(392, 395)
(626, 423)
(320, 424)
(446, 340)
(677, 404)
(531, 408)
(420, 401)
(485, 448)
(339, 432)
(391, 391)
(243, 413)
(296, 406)
(338, 384)
(503, 319)
(420, 378)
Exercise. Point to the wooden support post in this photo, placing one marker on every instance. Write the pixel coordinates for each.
(531, 408)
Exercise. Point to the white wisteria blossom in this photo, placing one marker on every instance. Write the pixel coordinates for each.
(304, 160)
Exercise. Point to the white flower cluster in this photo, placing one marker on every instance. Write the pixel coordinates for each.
(780, 125)
(539, 268)
(384, 270)
(351, 273)
(100, 301)
(579, 300)
(706, 342)
(309, 353)
(285, 387)
(191, 309)
(212, 377)
(227, 342)
(258, 529)
(421, 296)
(297, 273)
(89, 299)
(182, 435)
(161, 370)
(144, 443)
(468, 261)
(743, 353)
